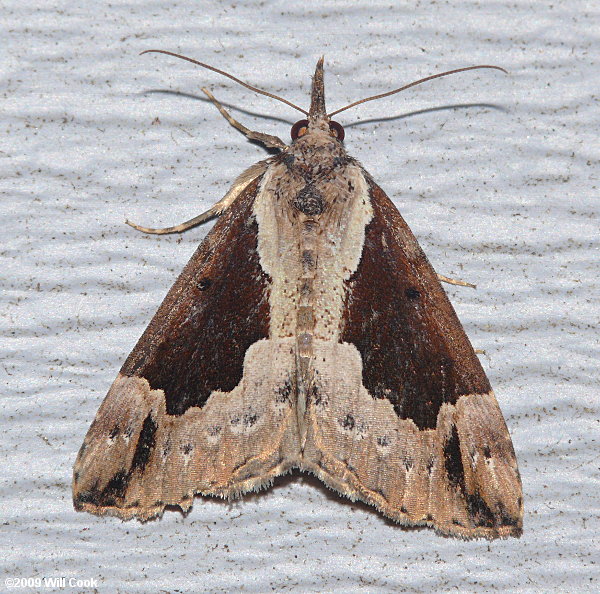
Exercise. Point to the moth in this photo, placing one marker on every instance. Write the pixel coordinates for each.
(308, 331)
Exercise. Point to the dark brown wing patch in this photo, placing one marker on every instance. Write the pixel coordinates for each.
(216, 309)
(414, 350)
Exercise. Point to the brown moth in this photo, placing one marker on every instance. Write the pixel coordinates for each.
(308, 331)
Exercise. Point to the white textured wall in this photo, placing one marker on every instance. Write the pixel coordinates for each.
(497, 175)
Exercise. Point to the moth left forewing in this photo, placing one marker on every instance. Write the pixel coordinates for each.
(403, 416)
(203, 403)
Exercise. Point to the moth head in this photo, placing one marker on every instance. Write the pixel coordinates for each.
(317, 118)
(300, 128)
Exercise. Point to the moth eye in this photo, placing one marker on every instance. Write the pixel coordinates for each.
(337, 130)
(299, 129)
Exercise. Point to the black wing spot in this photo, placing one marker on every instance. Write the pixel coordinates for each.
(250, 419)
(479, 510)
(316, 395)
(203, 284)
(505, 518)
(110, 496)
(430, 465)
(453, 460)
(284, 392)
(412, 293)
(348, 422)
(145, 444)
(383, 441)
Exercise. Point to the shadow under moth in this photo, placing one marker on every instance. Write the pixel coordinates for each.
(308, 331)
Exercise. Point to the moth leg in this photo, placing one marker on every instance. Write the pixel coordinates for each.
(216, 210)
(266, 139)
(452, 281)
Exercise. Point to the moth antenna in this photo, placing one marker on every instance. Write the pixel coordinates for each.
(237, 80)
(413, 84)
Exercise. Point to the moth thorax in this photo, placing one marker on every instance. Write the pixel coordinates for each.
(309, 201)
